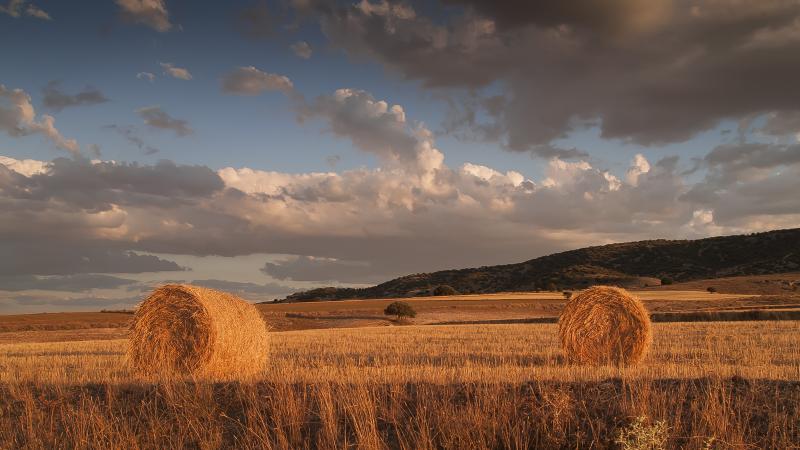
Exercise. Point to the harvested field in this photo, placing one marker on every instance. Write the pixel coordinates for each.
(492, 386)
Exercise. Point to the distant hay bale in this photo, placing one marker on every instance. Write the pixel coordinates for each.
(605, 325)
(189, 330)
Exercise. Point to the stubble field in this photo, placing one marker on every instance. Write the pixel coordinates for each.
(484, 386)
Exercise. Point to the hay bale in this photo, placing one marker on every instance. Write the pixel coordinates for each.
(189, 330)
(605, 325)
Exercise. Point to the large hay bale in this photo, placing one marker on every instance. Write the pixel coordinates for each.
(605, 325)
(189, 330)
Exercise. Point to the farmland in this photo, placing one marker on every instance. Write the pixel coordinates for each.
(353, 378)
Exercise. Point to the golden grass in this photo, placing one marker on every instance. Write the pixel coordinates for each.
(190, 330)
(446, 354)
(710, 385)
(605, 325)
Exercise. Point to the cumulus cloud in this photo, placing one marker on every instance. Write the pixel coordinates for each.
(156, 117)
(151, 13)
(18, 118)
(57, 100)
(16, 8)
(251, 81)
(376, 127)
(412, 213)
(642, 71)
(176, 72)
(302, 49)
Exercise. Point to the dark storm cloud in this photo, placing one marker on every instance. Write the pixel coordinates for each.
(156, 117)
(57, 100)
(643, 74)
(68, 283)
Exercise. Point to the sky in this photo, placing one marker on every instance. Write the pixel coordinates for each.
(264, 147)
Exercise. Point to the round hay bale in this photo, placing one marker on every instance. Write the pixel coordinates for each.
(605, 325)
(189, 330)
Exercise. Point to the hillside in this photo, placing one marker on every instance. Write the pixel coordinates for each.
(630, 264)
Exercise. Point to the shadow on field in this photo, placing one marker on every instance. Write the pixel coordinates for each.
(547, 414)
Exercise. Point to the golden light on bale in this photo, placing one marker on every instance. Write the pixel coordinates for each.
(605, 325)
(188, 330)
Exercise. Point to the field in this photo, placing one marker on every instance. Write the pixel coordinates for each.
(353, 379)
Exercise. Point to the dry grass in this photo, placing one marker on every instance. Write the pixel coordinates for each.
(190, 330)
(448, 354)
(419, 387)
(603, 325)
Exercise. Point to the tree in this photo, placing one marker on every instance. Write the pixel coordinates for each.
(567, 295)
(444, 290)
(666, 281)
(400, 309)
(711, 289)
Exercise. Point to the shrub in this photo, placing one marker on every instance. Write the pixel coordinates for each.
(400, 309)
(567, 295)
(666, 281)
(638, 436)
(711, 289)
(444, 290)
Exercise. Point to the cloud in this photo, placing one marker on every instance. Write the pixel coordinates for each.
(156, 117)
(256, 21)
(302, 49)
(146, 76)
(151, 13)
(18, 118)
(176, 72)
(54, 258)
(131, 134)
(643, 72)
(68, 283)
(251, 81)
(375, 127)
(412, 213)
(57, 100)
(14, 8)
(309, 268)
(782, 124)
(247, 290)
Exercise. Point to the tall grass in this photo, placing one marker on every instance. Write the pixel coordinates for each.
(483, 387)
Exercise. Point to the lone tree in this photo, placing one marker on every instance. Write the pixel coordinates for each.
(444, 290)
(567, 294)
(711, 289)
(400, 309)
(666, 281)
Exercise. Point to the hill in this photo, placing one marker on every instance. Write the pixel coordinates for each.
(630, 264)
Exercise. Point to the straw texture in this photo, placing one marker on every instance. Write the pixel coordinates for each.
(188, 330)
(605, 325)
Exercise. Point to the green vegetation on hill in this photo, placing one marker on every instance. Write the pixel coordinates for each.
(630, 264)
